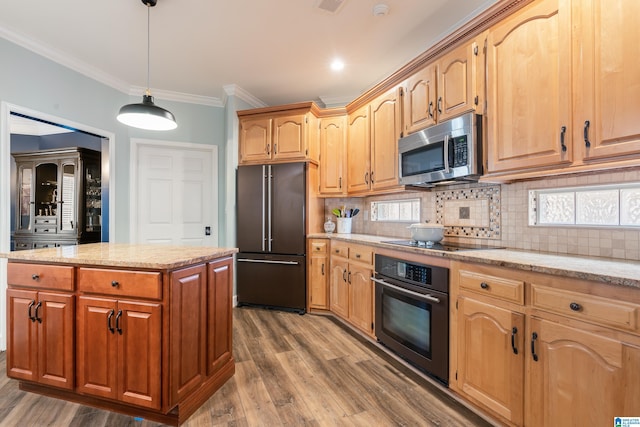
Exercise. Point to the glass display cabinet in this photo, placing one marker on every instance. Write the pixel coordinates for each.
(59, 198)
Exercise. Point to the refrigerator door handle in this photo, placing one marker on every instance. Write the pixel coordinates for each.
(266, 261)
(264, 177)
(270, 208)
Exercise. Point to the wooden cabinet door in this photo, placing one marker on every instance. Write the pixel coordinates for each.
(490, 365)
(56, 326)
(358, 151)
(580, 378)
(188, 336)
(361, 297)
(529, 88)
(386, 128)
(607, 78)
(339, 299)
(255, 140)
(219, 313)
(456, 82)
(22, 335)
(96, 351)
(420, 100)
(139, 334)
(333, 138)
(318, 274)
(290, 137)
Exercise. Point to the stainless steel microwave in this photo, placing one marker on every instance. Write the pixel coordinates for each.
(448, 151)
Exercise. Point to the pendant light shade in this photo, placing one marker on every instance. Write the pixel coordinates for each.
(147, 115)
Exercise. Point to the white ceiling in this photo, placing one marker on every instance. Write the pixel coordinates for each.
(278, 51)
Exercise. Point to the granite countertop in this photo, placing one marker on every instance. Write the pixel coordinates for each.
(606, 270)
(122, 255)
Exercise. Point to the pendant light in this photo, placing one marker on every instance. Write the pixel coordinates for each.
(147, 115)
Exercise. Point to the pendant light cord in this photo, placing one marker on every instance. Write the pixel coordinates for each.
(148, 47)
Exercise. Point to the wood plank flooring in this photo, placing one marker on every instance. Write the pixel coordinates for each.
(291, 370)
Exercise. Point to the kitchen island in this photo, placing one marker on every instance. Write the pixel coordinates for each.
(140, 329)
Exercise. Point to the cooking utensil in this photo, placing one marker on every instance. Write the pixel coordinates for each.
(336, 212)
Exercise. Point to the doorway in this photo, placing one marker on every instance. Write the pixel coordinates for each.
(107, 148)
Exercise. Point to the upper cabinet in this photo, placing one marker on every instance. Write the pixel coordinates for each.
(563, 88)
(606, 79)
(443, 89)
(280, 134)
(333, 143)
(372, 144)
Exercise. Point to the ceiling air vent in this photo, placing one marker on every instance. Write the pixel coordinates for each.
(331, 6)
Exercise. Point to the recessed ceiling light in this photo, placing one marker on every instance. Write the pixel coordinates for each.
(380, 10)
(337, 65)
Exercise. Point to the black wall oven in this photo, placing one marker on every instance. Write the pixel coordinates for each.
(412, 313)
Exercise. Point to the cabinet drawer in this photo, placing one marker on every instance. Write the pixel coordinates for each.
(45, 229)
(120, 282)
(319, 247)
(590, 308)
(497, 287)
(361, 254)
(40, 276)
(340, 250)
(45, 221)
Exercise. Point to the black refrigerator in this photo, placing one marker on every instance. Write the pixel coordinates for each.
(271, 263)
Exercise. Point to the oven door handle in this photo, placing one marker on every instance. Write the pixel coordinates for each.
(406, 291)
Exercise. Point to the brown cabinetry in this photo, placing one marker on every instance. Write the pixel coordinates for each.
(563, 89)
(283, 134)
(318, 274)
(372, 144)
(540, 350)
(443, 89)
(333, 155)
(351, 286)
(155, 342)
(58, 198)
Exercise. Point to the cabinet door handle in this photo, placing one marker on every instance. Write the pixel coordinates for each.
(349, 278)
(35, 315)
(115, 283)
(514, 331)
(484, 285)
(366, 178)
(322, 269)
(563, 131)
(118, 317)
(372, 177)
(35, 277)
(31, 304)
(344, 276)
(430, 109)
(587, 143)
(109, 317)
(440, 105)
(275, 148)
(575, 306)
(268, 149)
(340, 183)
(534, 337)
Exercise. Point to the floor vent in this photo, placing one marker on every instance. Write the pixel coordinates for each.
(331, 6)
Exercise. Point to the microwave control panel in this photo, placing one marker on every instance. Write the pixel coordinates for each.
(460, 151)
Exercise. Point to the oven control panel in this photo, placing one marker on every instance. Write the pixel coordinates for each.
(427, 276)
(415, 273)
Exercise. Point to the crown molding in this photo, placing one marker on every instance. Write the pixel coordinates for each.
(336, 101)
(237, 91)
(100, 76)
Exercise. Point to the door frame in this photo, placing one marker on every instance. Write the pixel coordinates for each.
(135, 144)
(5, 188)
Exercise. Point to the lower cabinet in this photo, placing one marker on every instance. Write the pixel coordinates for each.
(318, 274)
(352, 290)
(119, 350)
(539, 350)
(40, 339)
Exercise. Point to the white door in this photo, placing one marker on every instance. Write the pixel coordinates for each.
(175, 196)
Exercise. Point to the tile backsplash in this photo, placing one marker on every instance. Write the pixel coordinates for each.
(497, 215)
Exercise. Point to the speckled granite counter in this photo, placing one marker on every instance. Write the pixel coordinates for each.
(122, 255)
(616, 272)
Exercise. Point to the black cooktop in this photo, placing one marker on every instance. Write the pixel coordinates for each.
(439, 246)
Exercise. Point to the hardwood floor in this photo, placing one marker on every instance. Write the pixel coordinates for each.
(290, 370)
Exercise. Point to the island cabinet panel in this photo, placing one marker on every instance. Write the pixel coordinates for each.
(219, 314)
(40, 339)
(119, 350)
(188, 330)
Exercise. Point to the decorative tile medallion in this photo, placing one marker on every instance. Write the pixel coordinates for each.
(469, 212)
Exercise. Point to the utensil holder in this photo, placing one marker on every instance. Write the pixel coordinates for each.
(344, 225)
